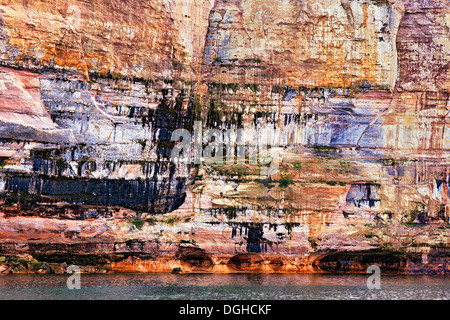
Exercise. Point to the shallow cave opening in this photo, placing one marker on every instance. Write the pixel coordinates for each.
(358, 262)
(245, 262)
(195, 258)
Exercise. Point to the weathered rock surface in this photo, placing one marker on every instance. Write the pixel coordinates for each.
(356, 172)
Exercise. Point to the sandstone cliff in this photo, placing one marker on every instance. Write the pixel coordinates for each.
(353, 171)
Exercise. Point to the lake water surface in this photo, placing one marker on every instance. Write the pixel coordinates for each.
(223, 286)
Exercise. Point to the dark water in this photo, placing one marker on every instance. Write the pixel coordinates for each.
(223, 286)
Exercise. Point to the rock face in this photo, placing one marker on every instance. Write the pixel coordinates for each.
(225, 136)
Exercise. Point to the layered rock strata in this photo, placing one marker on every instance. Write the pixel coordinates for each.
(330, 117)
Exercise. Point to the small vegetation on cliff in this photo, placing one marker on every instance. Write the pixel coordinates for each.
(370, 235)
(312, 242)
(290, 226)
(412, 215)
(335, 183)
(170, 220)
(268, 183)
(253, 60)
(142, 142)
(388, 162)
(345, 164)
(286, 182)
(151, 221)
(190, 241)
(412, 225)
(253, 87)
(138, 223)
(23, 265)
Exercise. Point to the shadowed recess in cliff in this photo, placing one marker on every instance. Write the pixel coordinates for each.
(194, 258)
(149, 196)
(348, 262)
(364, 195)
(245, 262)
